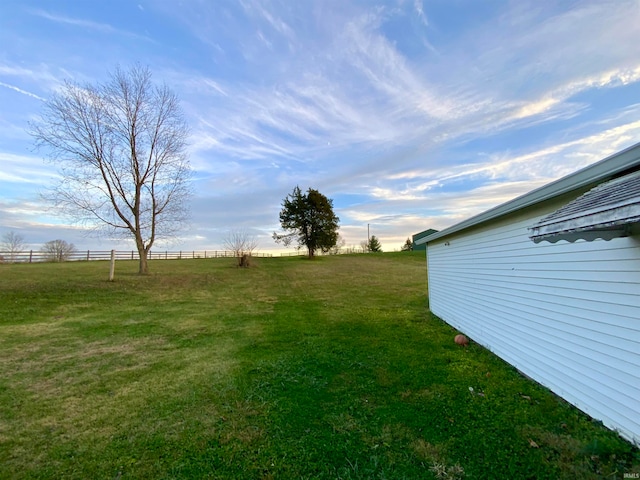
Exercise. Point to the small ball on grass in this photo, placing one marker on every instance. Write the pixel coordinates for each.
(461, 340)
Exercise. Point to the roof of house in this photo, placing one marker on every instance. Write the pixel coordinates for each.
(590, 176)
(423, 234)
(606, 211)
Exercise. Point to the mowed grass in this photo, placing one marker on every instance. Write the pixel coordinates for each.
(332, 368)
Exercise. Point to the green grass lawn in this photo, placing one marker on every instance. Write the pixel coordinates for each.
(332, 368)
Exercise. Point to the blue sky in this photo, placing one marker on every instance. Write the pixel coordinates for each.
(409, 114)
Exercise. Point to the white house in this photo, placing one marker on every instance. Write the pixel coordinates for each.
(550, 282)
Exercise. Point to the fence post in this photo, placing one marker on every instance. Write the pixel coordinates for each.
(88, 255)
(30, 256)
(131, 254)
(113, 265)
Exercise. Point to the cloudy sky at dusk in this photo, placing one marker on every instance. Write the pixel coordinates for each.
(409, 114)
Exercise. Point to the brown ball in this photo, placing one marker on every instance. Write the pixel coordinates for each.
(461, 340)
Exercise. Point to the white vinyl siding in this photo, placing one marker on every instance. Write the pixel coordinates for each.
(565, 314)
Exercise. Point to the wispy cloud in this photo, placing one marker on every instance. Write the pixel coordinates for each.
(24, 170)
(41, 74)
(273, 20)
(360, 90)
(420, 11)
(502, 175)
(20, 90)
(87, 24)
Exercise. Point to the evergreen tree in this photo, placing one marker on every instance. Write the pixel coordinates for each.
(308, 219)
(374, 244)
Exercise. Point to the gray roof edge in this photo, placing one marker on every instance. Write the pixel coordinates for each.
(432, 230)
(597, 172)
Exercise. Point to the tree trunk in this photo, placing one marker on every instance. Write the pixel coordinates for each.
(144, 266)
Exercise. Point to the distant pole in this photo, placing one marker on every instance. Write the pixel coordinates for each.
(368, 237)
(113, 265)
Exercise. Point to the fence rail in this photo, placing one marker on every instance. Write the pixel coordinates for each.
(33, 256)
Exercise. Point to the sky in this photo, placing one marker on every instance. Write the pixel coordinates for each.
(408, 114)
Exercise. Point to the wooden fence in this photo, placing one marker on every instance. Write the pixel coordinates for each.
(33, 256)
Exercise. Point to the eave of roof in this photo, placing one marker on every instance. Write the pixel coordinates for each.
(424, 233)
(606, 211)
(588, 176)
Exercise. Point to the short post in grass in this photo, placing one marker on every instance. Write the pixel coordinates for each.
(112, 270)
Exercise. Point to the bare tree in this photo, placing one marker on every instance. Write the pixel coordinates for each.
(58, 250)
(337, 248)
(242, 244)
(120, 147)
(12, 243)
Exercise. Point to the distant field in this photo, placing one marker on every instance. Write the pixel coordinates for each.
(332, 368)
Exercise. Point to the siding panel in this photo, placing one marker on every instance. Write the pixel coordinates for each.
(565, 314)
